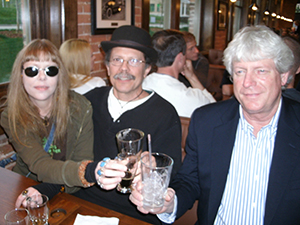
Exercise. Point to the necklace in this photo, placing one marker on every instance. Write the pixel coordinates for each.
(46, 121)
(122, 106)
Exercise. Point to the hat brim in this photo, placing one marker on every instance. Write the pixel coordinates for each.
(148, 51)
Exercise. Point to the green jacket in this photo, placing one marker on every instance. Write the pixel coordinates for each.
(79, 147)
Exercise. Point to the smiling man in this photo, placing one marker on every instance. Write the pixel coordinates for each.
(244, 167)
(128, 58)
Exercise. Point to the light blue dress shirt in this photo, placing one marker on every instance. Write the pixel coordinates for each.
(244, 197)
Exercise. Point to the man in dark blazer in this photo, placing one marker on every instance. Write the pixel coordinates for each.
(243, 154)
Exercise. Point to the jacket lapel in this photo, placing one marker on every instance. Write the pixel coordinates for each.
(221, 155)
(285, 158)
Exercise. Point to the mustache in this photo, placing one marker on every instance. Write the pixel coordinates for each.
(124, 76)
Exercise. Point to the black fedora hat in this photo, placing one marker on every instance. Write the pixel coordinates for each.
(131, 37)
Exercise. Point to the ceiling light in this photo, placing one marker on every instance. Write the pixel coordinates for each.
(267, 12)
(253, 6)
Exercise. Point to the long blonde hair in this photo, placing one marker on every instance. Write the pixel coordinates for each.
(76, 55)
(21, 110)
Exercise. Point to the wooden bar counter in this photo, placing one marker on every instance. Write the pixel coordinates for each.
(12, 184)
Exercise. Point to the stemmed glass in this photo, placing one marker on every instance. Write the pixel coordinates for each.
(130, 146)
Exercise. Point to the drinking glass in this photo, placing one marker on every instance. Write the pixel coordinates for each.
(37, 206)
(130, 147)
(17, 216)
(156, 173)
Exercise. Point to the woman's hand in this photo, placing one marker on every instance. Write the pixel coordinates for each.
(110, 172)
(27, 193)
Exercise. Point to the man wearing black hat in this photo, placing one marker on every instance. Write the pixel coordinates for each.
(125, 104)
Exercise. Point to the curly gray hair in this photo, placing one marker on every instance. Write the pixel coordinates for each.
(254, 43)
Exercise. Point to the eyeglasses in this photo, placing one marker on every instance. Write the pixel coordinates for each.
(131, 62)
(50, 71)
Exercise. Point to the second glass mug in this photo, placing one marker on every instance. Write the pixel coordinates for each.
(37, 205)
(130, 145)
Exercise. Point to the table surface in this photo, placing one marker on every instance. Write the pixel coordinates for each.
(12, 184)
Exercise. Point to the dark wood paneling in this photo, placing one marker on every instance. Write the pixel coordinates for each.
(55, 20)
(145, 14)
(207, 29)
(39, 19)
(175, 14)
(71, 22)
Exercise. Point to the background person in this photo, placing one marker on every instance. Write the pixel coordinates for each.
(226, 86)
(288, 89)
(171, 48)
(78, 58)
(199, 62)
(243, 167)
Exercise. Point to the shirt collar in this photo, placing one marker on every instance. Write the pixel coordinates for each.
(272, 125)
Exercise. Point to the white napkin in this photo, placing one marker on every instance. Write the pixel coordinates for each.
(95, 220)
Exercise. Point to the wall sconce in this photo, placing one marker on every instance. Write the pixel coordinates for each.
(278, 17)
(253, 6)
(273, 14)
(267, 12)
(233, 1)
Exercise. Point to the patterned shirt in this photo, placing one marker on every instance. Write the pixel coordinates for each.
(244, 197)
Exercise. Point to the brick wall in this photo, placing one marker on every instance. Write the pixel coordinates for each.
(220, 39)
(84, 32)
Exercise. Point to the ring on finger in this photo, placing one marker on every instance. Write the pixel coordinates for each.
(100, 171)
(99, 183)
(104, 161)
(25, 193)
(102, 164)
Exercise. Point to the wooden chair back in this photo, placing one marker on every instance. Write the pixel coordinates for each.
(185, 122)
(190, 217)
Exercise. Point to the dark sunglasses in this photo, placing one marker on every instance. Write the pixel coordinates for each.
(50, 71)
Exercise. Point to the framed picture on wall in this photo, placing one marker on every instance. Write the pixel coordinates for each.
(222, 15)
(107, 15)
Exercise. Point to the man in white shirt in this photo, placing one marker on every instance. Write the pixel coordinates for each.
(243, 155)
(171, 48)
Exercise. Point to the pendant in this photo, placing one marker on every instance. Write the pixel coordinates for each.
(46, 121)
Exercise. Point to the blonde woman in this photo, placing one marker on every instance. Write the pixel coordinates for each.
(79, 61)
